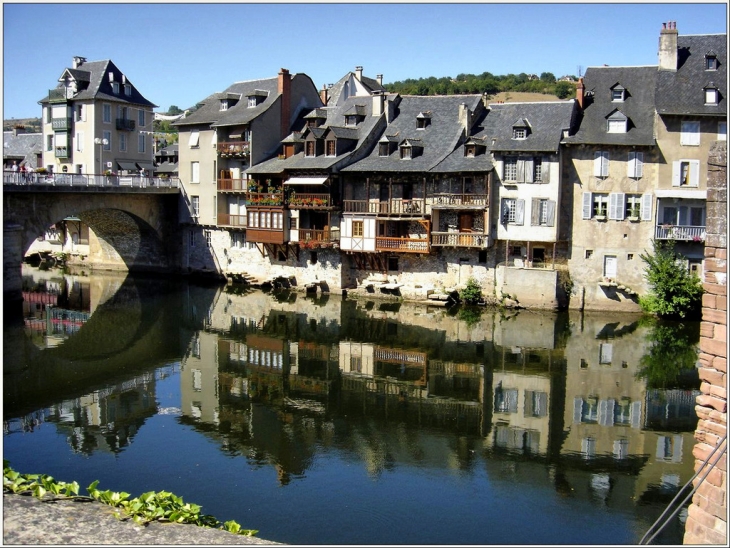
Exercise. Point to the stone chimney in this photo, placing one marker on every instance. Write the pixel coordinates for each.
(668, 46)
(284, 90)
(323, 94)
(19, 129)
(379, 78)
(378, 103)
(358, 73)
(465, 118)
(78, 61)
(579, 92)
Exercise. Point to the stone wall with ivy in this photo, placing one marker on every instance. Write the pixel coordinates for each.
(707, 516)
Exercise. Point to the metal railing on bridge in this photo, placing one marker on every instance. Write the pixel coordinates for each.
(87, 180)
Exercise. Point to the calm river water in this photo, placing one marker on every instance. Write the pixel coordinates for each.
(327, 420)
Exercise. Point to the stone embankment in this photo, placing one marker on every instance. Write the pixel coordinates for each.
(29, 520)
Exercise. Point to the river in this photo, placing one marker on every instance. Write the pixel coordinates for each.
(327, 420)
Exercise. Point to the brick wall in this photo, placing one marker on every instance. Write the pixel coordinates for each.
(707, 516)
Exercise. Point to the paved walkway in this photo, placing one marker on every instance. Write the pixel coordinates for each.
(28, 520)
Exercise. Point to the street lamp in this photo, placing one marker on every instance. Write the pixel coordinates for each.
(101, 143)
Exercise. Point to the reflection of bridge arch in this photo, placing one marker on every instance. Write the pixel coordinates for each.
(134, 231)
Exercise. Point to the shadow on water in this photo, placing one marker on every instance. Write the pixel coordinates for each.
(591, 414)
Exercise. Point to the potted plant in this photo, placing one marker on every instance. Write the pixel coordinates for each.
(634, 214)
(601, 213)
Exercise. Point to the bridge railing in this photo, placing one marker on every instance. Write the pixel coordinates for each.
(88, 180)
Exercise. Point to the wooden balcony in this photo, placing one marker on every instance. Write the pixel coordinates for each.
(395, 207)
(236, 221)
(265, 236)
(265, 198)
(402, 245)
(233, 185)
(321, 236)
(477, 240)
(449, 200)
(309, 201)
(233, 149)
(683, 233)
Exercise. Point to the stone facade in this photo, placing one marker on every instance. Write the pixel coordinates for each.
(707, 516)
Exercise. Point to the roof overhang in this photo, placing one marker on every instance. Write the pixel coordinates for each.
(681, 193)
(306, 180)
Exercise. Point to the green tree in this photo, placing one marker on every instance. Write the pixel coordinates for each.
(547, 77)
(672, 355)
(174, 110)
(564, 90)
(673, 291)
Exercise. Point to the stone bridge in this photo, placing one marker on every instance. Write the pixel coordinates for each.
(134, 228)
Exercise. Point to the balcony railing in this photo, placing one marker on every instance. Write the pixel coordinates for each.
(61, 152)
(237, 185)
(233, 149)
(265, 198)
(414, 208)
(448, 199)
(319, 235)
(309, 201)
(61, 123)
(237, 221)
(459, 239)
(59, 95)
(125, 124)
(87, 180)
(405, 245)
(677, 232)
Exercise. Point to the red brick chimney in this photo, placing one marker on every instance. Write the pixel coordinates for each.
(579, 91)
(323, 94)
(285, 92)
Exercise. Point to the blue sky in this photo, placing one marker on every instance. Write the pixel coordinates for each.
(179, 53)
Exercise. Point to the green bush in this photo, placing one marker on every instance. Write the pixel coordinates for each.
(472, 293)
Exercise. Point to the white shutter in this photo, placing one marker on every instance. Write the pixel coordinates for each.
(636, 165)
(616, 206)
(587, 203)
(577, 410)
(194, 137)
(535, 212)
(519, 212)
(80, 141)
(646, 206)
(214, 139)
(694, 173)
(597, 161)
(676, 172)
(635, 414)
(529, 170)
(520, 170)
(551, 212)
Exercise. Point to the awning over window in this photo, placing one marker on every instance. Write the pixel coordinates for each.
(306, 180)
(129, 166)
(145, 165)
(695, 194)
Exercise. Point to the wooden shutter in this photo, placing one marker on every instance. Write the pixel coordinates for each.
(546, 169)
(519, 212)
(616, 206)
(587, 203)
(520, 170)
(535, 212)
(529, 171)
(551, 205)
(646, 205)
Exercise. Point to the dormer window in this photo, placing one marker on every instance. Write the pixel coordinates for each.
(330, 148)
(470, 151)
(127, 90)
(383, 150)
(252, 101)
(618, 93)
(224, 104)
(310, 149)
(406, 153)
(423, 120)
(351, 120)
(710, 61)
(519, 133)
(711, 94)
(616, 122)
(115, 88)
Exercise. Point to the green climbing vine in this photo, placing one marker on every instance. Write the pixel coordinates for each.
(150, 506)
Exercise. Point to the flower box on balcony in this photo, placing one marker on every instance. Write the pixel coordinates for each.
(633, 219)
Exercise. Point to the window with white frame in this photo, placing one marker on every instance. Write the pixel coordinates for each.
(122, 142)
(80, 141)
(519, 133)
(194, 172)
(711, 95)
(710, 62)
(605, 353)
(115, 88)
(358, 229)
(141, 143)
(195, 206)
(617, 123)
(107, 136)
(406, 153)
(722, 131)
(600, 163)
(618, 94)
(686, 173)
(633, 206)
(194, 141)
(610, 266)
(350, 120)
(510, 168)
(140, 118)
(224, 104)
(127, 89)
(252, 101)
(543, 212)
(238, 240)
(208, 239)
(690, 134)
(106, 113)
(513, 211)
(635, 165)
(597, 204)
(80, 113)
(537, 169)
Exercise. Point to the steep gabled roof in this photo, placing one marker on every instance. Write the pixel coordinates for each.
(93, 77)
(681, 92)
(637, 106)
(547, 121)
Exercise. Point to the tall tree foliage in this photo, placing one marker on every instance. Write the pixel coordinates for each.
(674, 292)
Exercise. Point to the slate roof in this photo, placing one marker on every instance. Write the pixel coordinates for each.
(93, 83)
(456, 162)
(24, 147)
(546, 121)
(638, 106)
(209, 111)
(439, 138)
(335, 121)
(333, 93)
(682, 92)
